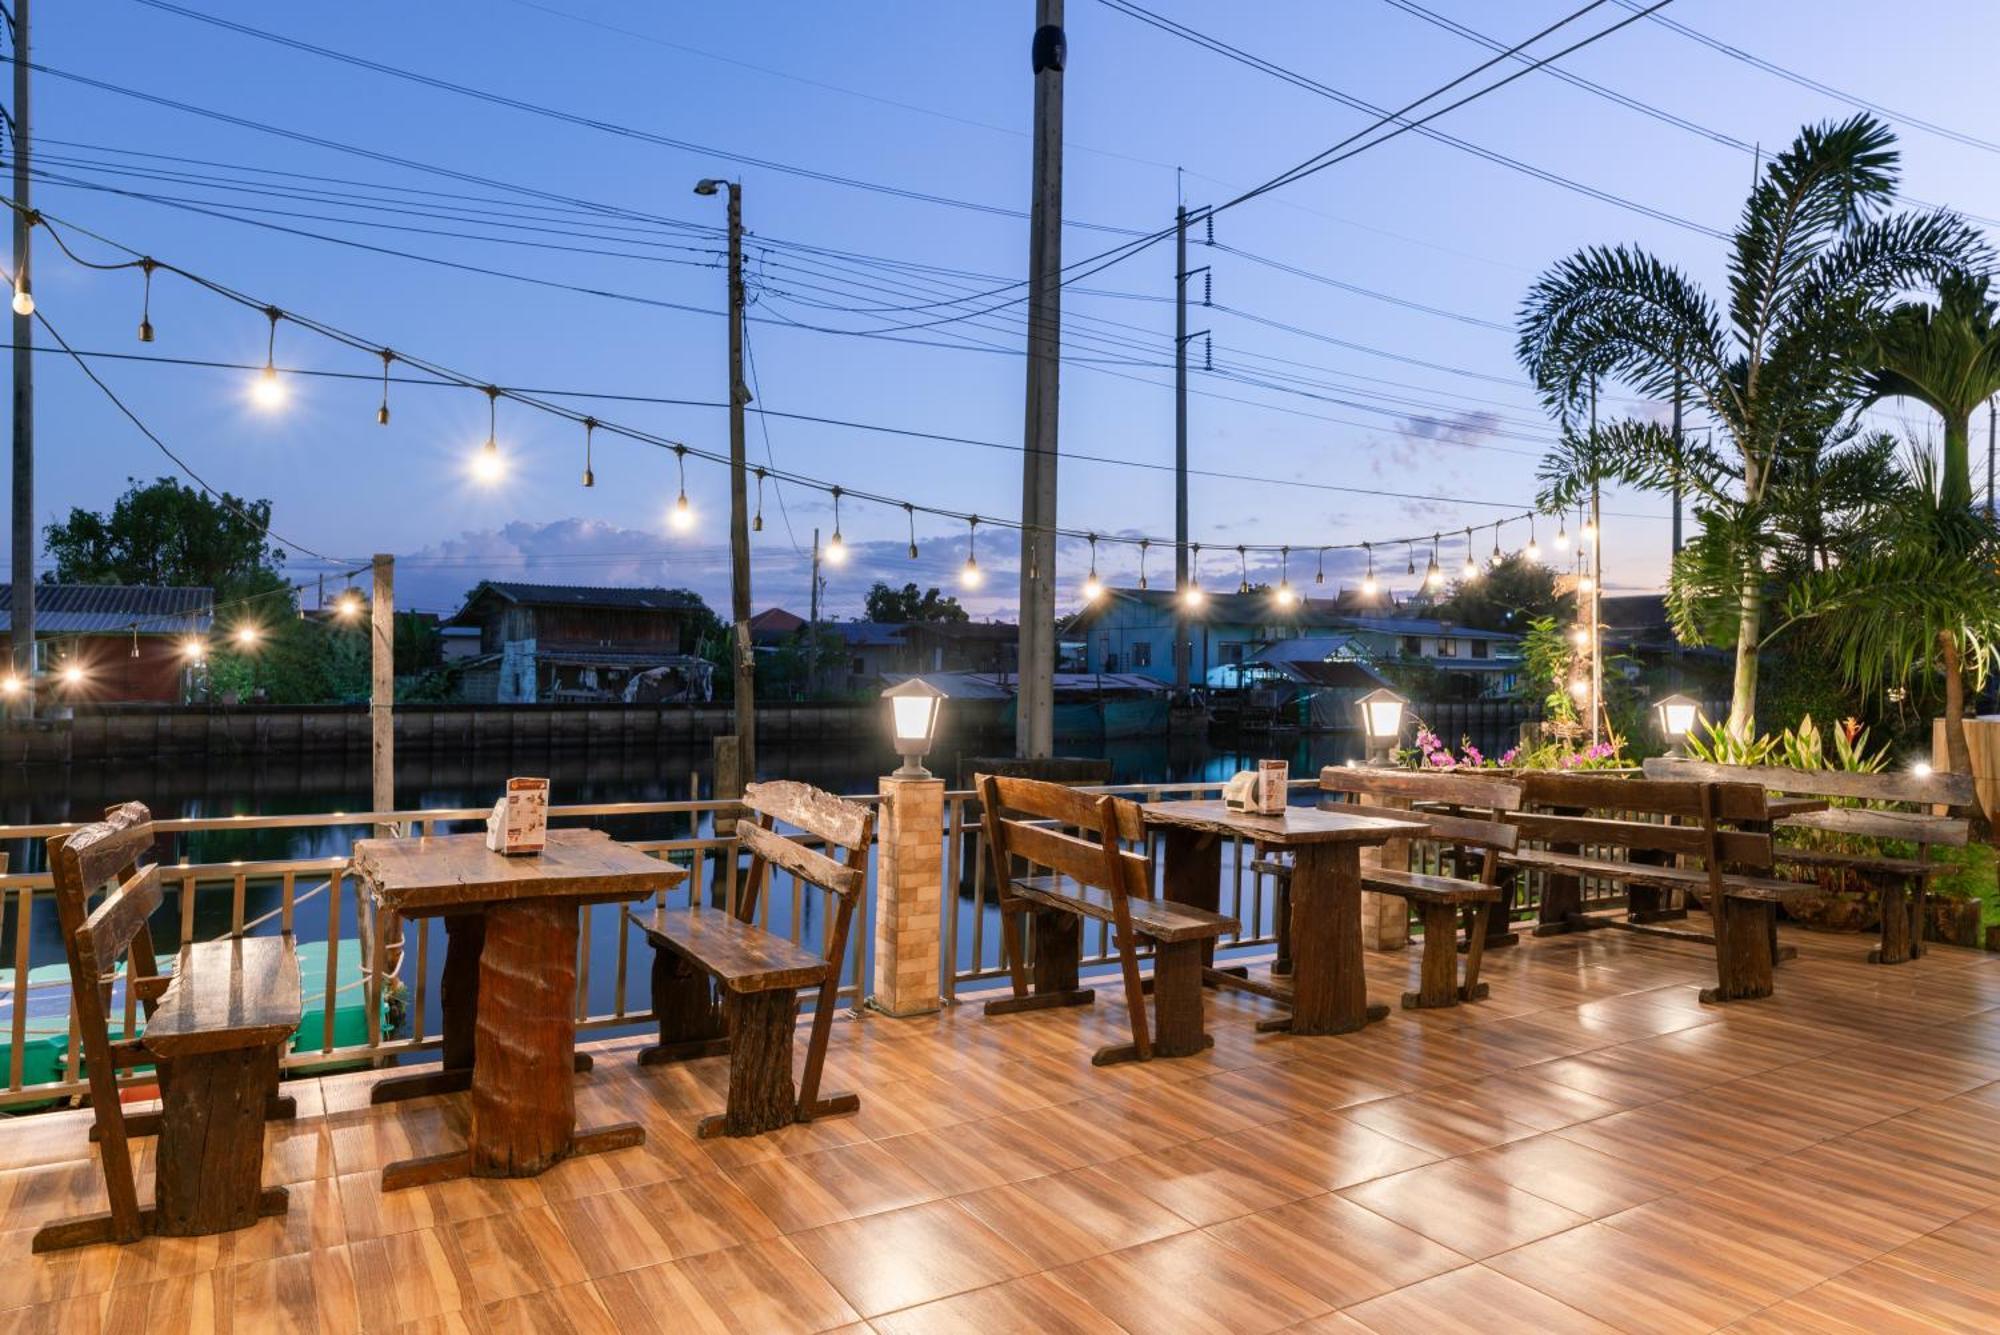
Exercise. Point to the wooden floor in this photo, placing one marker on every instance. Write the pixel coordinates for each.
(1590, 1149)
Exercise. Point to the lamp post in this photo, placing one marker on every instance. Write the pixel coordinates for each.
(913, 711)
(1677, 719)
(1381, 723)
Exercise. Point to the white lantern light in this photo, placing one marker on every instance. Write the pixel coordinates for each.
(913, 715)
(1677, 716)
(1382, 721)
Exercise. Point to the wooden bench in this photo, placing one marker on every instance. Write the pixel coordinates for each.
(722, 984)
(1463, 813)
(215, 1030)
(1902, 883)
(1093, 876)
(1732, 880)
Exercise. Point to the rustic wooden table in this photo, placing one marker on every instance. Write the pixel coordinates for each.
(1328, 991)
(509, 987)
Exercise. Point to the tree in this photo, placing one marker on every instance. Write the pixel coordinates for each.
(905, 605)
(1813, 261)
(1508, 596)
(165, 533)
(1947, 357)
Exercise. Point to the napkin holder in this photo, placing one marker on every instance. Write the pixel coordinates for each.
(519, 824)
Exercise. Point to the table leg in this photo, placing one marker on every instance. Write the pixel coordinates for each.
(1329, 985)
(1191, 874)
(211, 1151)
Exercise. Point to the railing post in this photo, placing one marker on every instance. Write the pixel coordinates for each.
(909, 896)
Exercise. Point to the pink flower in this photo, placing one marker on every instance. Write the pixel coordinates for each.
(1507, 756)
(1472, 756)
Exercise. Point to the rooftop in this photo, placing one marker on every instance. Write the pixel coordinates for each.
(1589, 1145)
(87, 609)
(582, 595)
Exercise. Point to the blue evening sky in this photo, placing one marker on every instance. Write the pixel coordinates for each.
(924, 97)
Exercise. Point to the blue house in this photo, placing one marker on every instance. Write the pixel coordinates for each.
(1132, 630)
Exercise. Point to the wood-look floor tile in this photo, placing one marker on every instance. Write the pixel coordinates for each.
(369, 1212)
(1207, 1181)
(1335, 1249)
(1967, 1249)
(1693, 1151)
(310, 1291)
(68, 1316)
(1474, 1300)
(573, 1310)
(1888, 1294)
(1439, 1121)
(914, 1255)
(1531, 1100)
(1577, 1177)
(297, 1151)
(1035, 1302)
(659, 1222)
(975, 1155)
(1462, 1208)
(1189, 1283)
(1329, 1151)
(1069, 1216)
(759, 1287)
(202, 1301)
(825, 1187)
(409, 1276)
(519, 1252)
(33, 1280)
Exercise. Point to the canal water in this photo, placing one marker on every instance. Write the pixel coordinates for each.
(250, 786)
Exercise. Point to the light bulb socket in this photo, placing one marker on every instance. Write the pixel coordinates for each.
(145, 331)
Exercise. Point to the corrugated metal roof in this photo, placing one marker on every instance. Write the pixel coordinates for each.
(103, 609)
(584, 595)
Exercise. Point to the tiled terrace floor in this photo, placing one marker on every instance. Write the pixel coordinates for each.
(1589, 1149)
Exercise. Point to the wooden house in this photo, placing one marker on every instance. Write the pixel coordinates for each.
(555, 643)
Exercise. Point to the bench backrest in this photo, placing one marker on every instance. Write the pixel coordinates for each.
(1467, 792)
(847, 828)
(106, 853)
(1557, 810)
(1905, 787)
(1017, 812)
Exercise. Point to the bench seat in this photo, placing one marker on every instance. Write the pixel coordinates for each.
(1160, 919)
(1757, 888)
(239, 992)
(1814, 857)
(742, 956)
(1416, 885)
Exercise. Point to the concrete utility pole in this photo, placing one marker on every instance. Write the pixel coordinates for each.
(22, 613)
(1034, 731)
(745, 664)
(1183, 646)
(812, 622)
(382, 690)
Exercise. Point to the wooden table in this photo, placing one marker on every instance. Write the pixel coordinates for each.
(1328, 991)
(509, 988)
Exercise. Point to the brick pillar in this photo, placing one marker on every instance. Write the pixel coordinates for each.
(1385, 919)
(909, 892)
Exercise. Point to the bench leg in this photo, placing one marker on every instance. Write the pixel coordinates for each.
(1895, 947)
(761, 1096)
(1177, 1015)
(690, 1014)
(1475, 949)
(1744, 931)
(209, 1172)
(1438, 980)
(1057, 965)
(1920, 899)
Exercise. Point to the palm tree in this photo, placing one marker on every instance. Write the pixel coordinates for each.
(1814, 259)
(1947, 357)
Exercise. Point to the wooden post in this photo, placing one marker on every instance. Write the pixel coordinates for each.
(26, 534)
(909, 897)
(1035, 721)
(1385, 919)
(388, 942)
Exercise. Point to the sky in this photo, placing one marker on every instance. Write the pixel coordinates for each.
(1364, 385)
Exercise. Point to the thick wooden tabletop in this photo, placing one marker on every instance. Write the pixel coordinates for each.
(439, 872)
(1299, 825)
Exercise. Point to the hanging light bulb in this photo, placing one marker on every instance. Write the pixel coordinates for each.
(682, 515)
(590, 477)
(1579, 637)
(146, 267)
(1589, 531)
(246, 635)
(268, 391)
(72, 673)
(1092, 588)
(1562, 537)
(836, 549)
(910, 513)
(382, 413)
(10, 684)
(1470, 570)
(1192, 595)
(1434, 576)
(1243, 570)
(971, 576)
(1144, 543)
(348, 604)
(1319, 571)
(1413, 559)
(1285, 595)
(757, 520)
(1497, 557)
(191, 649)
(487, 466)
(1368, 580)
(1533, 551)
(1585, 583)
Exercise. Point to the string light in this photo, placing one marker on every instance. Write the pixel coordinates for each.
(246, 635)
(1286, 597)
(1580, 637)
(757, 520)
(1533, 551)
(1497, 557)
(1562, 536)
(1589, 530)
(24, 300)
(146, 267)
(1434, 576)
(682, 515)
(348, 604)
(1368, 580)
(268, 391)
(10, 685)
(1470, 570)
(72, 674)
(382, 413)
(1413, 559)
(1192, 596)
(836, 550)
(487, 466)
(590, 475)
(1243, 570)
(910, 513)
(1092, 588)
(191, 649)
(1144, 543)
(1319, 571)
(135, 639)
(971, 575)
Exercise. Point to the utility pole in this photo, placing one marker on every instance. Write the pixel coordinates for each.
(1034, 731)
(1183, 646)
(1596, 581)
(812, 622)
(382, 690)
(1677, 471)
(22, 612)
(745, 663)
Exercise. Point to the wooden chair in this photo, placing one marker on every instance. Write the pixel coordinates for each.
(214, 1033)
(1732, 879)
(721, 984)
(1093, 876)
(1903, 883)
(1463, 812)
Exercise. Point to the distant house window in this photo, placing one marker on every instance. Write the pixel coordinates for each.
(1447, 647)
(860, 667)
(1142, 654)
(1479, 648)
(1231, 652)
(1413, 645)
